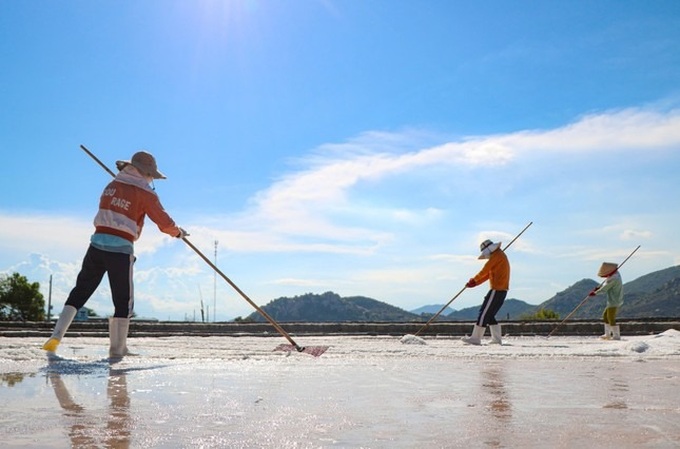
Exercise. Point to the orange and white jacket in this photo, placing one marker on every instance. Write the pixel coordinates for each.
(124, 204)
(496, 270)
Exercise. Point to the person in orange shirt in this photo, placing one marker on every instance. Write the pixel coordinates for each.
(123, 205)
(497, 271)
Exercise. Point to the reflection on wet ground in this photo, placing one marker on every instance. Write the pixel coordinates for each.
(84, 427)
(493, 383)
(359, 394)
(84, 424)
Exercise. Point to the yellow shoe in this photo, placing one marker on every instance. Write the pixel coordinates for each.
(51, 345)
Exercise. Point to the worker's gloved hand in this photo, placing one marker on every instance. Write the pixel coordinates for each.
(471, 283)
(593, 292)
(182, 233)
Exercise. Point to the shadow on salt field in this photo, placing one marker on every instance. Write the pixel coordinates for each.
(60, 365)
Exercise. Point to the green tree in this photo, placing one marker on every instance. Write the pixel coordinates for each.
(20, 299)
(541, 315)
(92, 313)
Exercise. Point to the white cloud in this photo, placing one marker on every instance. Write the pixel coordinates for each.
(453, 258)
(47, 233)
(406, 249)
(309, 202)
(634, 234)
(299, 282)
(614, 131)
(42, 233)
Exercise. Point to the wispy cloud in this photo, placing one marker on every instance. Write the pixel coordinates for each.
(328, 206)
(66, 234)
(299, 282)
(313, 209)
(634, 234)
(636, 128)
(315, 202)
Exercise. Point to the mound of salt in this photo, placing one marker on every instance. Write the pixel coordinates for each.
(410, 339)
(639, 346)
(672, 333)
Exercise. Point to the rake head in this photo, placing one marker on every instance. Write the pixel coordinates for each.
(315, 351)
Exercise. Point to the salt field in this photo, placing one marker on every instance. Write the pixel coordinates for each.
(363, 392)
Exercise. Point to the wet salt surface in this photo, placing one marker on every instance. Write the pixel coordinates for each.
(364, 392)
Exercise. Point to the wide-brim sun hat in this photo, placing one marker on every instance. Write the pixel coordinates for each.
(145, 163)
(607, 269)
(487, 247)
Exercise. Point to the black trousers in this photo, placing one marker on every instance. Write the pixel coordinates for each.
(493, 301)
(118, 266)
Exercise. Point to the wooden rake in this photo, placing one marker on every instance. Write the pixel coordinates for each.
(434, 317)
(588, 295)
(315, 351)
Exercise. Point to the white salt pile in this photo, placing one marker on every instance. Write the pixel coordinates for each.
(410, 339)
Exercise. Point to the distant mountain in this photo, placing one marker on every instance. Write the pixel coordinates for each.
(662, 302)
(466, 314)
(431, 309)
(652, 281)
(567, 300)
(655, 295)
(329, 307)
(512, 309)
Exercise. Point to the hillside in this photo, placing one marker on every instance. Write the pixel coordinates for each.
(655, 295)
(512, 309)
(662, 302)
(330, 307)
(567, 300)
(431, 309)
(652, 281)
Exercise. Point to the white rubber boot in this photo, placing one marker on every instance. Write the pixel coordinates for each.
(118, 332)
(476, 337)
(496, 334)
(607, 332)
(616, 333)
(65, 318)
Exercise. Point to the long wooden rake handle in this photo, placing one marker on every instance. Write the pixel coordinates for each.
(96, 159)
(434, 317)
(240, 292)
(588, 296)
(276, 325)
(440, 311)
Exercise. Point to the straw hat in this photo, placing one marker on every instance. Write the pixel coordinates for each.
(145, 163)
(487, 247)
(607, 269)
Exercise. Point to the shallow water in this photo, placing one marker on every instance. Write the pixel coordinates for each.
(364, 392)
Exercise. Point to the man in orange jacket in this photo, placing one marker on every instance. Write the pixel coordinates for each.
(497, 271)
(123, 205)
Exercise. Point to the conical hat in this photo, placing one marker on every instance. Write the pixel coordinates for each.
(607, 269)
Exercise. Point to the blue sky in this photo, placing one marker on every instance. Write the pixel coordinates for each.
(360, 147)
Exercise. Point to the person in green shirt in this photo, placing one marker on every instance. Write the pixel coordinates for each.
(613, 287)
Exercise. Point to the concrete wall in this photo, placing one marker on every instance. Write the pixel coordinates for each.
(448, 328)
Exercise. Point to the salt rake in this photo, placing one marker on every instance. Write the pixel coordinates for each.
(588, 295)
(434, 317)
(315, 351)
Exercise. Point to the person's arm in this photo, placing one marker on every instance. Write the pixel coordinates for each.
(482, 276)
(158, 215)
